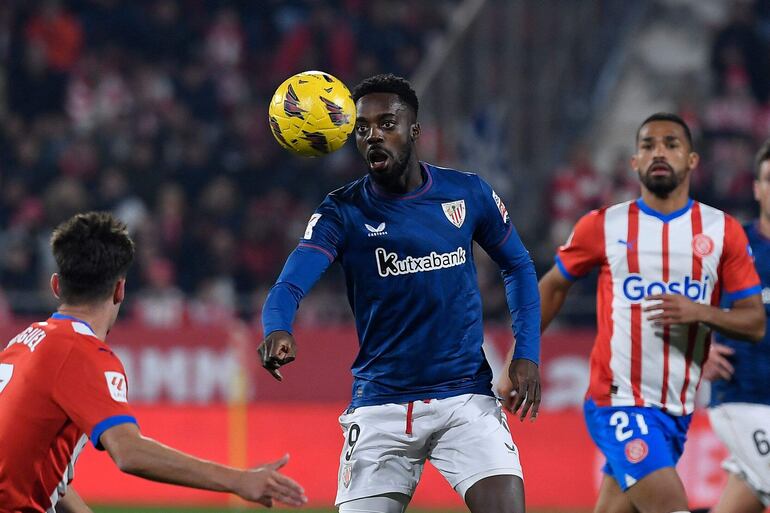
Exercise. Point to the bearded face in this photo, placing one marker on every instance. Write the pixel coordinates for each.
(661, 178)
(663, 158)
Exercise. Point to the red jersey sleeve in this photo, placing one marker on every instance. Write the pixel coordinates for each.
(92, 389)
(737, 273)
(584, 249)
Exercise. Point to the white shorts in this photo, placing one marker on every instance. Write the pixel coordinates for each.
(465, 437)
(744, 428)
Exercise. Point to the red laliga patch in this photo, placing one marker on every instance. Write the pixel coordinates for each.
(702, 245)
(636, 450)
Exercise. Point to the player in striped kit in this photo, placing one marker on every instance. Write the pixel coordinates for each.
(664, 262)
(740, 398)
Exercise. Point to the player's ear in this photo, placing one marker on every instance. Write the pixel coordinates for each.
(414, 133)
(119, 294)
(55, 285)
(693, 159)
(634, 163)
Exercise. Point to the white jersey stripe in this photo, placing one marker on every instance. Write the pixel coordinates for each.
(692, 334)
(616, 234)
(650, 238)
(69, 474)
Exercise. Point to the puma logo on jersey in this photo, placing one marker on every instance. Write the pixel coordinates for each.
(388, 264)
(375, 232)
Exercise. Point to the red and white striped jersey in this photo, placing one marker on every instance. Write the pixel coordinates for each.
(697, 251)
(59, 386)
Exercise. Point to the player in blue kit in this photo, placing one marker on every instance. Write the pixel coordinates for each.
(404, 236)
(740, 397)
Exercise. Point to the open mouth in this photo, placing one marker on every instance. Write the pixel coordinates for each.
(378, 159)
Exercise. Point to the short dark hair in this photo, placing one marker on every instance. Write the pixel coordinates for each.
(667, 116)
(762, 155)
(388, 83)
(92, 251)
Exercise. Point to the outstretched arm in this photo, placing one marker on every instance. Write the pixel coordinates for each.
(302, 270)
(141, 456)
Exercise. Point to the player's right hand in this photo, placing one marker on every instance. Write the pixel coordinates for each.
(718, 365)
(276, 350)
(265, 485)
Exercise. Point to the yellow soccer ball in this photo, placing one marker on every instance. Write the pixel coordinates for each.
(312, 113)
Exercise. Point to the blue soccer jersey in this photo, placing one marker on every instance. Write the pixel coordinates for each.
(751, 361)
(411, 282)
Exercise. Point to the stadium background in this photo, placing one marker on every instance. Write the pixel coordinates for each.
(156, 110)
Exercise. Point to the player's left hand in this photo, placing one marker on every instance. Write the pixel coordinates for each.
(718, 365)
(668, 309)
(525, 388)
(266, 485)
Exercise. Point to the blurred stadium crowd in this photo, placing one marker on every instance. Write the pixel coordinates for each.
(156, 110)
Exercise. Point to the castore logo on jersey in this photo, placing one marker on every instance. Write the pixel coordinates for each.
(375, 232)
(636, 288)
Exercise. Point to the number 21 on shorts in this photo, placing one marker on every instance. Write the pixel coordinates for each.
(623, 430)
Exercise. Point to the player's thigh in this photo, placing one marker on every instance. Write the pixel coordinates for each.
(612, 499)
(635, 441)
(475, 442)
(639, 498)
(378, 457)
(738, 497)
(744, 429)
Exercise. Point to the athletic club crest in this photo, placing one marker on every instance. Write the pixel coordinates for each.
(347, 474)
(455, 212)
